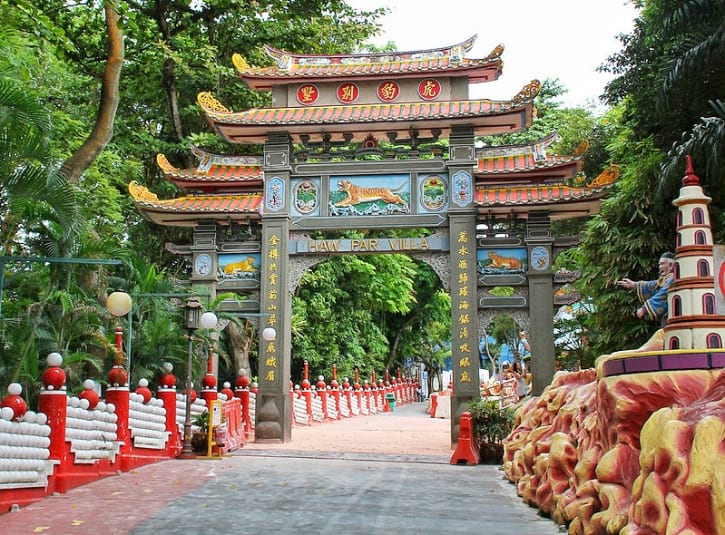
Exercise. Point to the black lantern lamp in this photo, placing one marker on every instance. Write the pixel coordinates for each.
(192, 312)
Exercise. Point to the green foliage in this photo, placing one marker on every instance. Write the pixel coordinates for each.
(201, 422)
(491, 424)
(502, 291)
(660, 106)
(505, 330)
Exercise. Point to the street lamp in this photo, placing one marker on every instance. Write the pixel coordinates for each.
(119, 304)
(193, 320)
(269, 334)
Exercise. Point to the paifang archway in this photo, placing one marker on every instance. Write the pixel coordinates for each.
(325, 167)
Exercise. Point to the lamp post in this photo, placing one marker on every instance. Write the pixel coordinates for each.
(193, 320)
(119, 304)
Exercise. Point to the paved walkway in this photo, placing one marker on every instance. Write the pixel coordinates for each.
(387, 473)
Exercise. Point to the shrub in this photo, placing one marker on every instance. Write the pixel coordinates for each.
(491, 424)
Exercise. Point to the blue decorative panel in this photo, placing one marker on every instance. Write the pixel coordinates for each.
(462, 188)
(239, 266)
(369, 195)
(274, 194)
(501, 260)
(306, 197)
(432, 192)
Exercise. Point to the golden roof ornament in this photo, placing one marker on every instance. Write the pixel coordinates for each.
(529, 92)
(207, 101)
(495, 53)
(141, 193)
(164, 164)
(240, 63)
(606, 177)
(582, 148)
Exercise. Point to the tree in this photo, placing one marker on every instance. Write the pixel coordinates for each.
(505, 330)
(698, 57)
(637, 223)
(72, 54)
(102, 131)
(29, 188)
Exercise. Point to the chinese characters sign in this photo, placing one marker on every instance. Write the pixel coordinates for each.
(269, 366)
(307, 94)
(388, 91)
(347, 92)
(464, 313)
(429, 89)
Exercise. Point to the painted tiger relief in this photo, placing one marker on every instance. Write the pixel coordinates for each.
(503, 262)
(357, 194)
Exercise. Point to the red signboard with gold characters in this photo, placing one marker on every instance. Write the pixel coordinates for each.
(347, 92)
(429, 89)
(307, 94)
(388, 91)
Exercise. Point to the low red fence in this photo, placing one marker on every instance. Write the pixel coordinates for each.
(74, 440)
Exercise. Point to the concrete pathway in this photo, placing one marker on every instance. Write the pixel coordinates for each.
(387, 473)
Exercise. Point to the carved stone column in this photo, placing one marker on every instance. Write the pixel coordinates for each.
(273, 415)
(541, 300)
(463, 281)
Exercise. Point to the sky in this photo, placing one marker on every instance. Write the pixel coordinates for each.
(564, 39)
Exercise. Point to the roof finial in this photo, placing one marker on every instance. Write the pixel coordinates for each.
(690, 178)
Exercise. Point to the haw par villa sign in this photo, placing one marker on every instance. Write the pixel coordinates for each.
(370, 245)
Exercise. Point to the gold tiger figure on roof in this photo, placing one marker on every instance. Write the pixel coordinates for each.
(357, 194)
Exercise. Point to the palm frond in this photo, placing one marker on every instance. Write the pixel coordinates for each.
(705, 143)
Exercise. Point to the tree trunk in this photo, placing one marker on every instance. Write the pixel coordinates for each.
(102, 133)
(240, 343)
(169, 83)
(393, 350)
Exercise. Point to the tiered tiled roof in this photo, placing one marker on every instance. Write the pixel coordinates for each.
(488, 117)
(447, 61)
(215, 171)
(511, 179)
(557, 198)
(184, 211)
(527, 162)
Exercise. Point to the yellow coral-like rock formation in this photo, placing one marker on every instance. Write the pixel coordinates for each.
(633, 454)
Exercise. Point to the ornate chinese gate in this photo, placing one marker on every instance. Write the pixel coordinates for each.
(324, 168)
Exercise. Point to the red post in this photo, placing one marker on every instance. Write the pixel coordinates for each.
(322, 392)
(466, 450)
(208, 382)
(241, 391)
(120, 396)
(382, 390)
(306, 391)
(168, 398)
(53, 403)
(335, 386)
(347, 390)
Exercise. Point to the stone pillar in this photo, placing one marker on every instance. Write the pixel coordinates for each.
(464, 317)
(463, 281)
(274, 410)
(541, 301)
